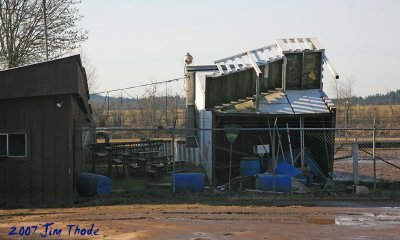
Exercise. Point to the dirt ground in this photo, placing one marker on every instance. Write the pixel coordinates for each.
(311, 219)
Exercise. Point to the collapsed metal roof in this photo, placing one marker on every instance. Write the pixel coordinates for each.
(281, 78)
(312, 101)
(274, 52)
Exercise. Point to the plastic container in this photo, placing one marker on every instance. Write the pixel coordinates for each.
(188, 182)
(90, 184)
(249, 166)
(287, 169)
(265, 182)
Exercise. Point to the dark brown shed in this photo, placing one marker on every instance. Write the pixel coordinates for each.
(43, 108)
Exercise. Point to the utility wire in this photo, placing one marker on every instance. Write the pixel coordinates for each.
(142, 85)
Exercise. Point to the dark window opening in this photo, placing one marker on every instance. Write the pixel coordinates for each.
(3, 145)
(17, 145)
(13, 145)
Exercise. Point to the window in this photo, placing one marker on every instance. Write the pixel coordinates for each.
(88, 137)
(3, 145)
(13, 145)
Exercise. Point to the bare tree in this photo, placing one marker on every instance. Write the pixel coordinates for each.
(148, 107)
(22, 37)
(91, 73)
(343, 89)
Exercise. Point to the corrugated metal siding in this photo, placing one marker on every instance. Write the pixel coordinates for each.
(307, 101)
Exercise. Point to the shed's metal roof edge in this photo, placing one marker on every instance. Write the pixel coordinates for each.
(44, 62)
(201, 68)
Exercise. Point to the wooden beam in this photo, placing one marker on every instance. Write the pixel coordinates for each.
(298, 44)
(228, 67)
(220, 68)
(254, 64)
(331, 68)
(316, 44)
(236, 65)
(282, 45)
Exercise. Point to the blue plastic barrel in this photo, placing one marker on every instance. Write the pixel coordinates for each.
(188, 182)
(90, 184)
(249, 166)
(265, 182)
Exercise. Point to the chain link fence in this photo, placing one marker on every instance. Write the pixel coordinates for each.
(370, 156)
(235, 159)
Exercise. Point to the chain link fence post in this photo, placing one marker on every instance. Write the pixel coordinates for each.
(356, 178)
(173, 160)
(373, 155)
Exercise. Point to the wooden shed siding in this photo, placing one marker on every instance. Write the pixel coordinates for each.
(43, 177)
(36, 151)
(28, 102)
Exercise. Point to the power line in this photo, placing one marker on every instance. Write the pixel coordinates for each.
(142, 85)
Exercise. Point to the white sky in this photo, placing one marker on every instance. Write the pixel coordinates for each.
(134, 42)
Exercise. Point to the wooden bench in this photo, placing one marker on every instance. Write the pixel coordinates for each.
(152, 173)
(134, 168)
(178, 165)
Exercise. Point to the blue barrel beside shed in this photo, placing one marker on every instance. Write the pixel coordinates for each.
(265, 182)
(188, 182)
(90, 184)
(249, 166)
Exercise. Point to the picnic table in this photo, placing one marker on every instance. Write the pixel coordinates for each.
(148, 154)
(156, 169)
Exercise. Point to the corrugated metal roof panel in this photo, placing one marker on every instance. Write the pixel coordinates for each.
(289, 102)
(307, 101)
(275, 103)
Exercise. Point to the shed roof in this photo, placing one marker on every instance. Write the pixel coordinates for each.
(55, 77)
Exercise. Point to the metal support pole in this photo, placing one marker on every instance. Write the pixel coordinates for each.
(258, 92)
(273, 161)
(356, 178)
(45, 30)
(373, 155)
(284, 73)
(173, 161)
(121, 119)
(230, 169)
(290, 144)
(302, 142)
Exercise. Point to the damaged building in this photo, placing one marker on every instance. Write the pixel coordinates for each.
(274, 87)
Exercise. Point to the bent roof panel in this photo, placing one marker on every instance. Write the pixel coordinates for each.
(275, 103)
(294, 102)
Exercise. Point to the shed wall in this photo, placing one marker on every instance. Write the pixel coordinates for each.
(44, 176)
(81, 156)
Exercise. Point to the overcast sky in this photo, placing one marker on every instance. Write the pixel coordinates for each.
(134, 42)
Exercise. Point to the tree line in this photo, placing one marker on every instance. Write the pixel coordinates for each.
(391, 97)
